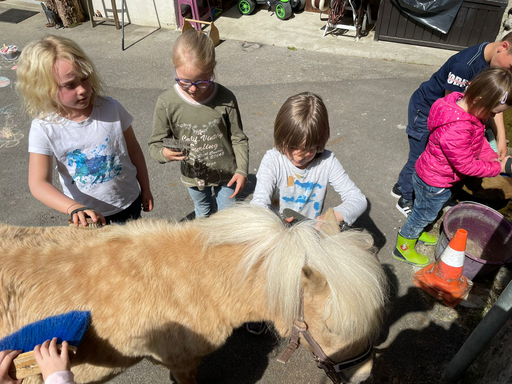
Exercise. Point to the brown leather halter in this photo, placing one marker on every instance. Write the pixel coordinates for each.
(300, 327)
(332, 370)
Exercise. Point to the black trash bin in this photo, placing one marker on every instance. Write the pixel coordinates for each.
(477, 21)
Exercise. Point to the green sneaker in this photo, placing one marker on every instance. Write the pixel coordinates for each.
(404, 251)
(427, 239)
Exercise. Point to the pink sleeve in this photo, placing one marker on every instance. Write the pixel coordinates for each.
(487, 153)
(457, 148)
(61, 377)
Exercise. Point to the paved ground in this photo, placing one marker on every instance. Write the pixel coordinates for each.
(367, 102)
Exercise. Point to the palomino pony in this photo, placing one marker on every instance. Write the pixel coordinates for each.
(173, 292)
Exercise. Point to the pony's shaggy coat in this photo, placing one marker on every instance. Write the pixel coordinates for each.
(174, 292)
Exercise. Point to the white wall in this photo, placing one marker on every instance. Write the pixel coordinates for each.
(152, 13)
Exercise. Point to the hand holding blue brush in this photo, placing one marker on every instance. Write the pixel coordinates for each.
(54, 364)
(50, 361)
(6, 358)
(70, 326)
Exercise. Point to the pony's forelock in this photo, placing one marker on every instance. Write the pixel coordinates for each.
(346, 260)
(348, 263)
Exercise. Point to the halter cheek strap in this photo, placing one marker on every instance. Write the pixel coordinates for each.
(300, 327)
(331, 369)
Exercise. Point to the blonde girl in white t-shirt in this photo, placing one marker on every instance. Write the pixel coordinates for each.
(98, 158)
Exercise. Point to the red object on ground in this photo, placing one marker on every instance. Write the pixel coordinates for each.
(443, 279)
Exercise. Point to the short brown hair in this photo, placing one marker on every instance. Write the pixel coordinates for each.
(488, 90)
(302, 123)
(507, 37)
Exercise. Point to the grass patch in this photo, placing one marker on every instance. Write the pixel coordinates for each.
(294, 49)
(507, 119)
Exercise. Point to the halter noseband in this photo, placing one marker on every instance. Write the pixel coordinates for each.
(331, 369)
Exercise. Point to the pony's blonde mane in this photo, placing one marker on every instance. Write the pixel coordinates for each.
(346, 260)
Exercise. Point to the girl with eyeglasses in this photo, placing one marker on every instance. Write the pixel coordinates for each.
(203, 118)
(456, 148)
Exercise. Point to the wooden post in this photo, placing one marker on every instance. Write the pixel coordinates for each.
(90, 9)
(114, 11)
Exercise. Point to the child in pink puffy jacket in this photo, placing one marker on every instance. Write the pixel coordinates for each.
(54, 366)
(456, 148)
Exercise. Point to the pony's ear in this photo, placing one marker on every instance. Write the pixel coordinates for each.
(330, 225)
(312, 281)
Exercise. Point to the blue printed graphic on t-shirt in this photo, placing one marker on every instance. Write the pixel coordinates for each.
(300, 195)
(99, 168)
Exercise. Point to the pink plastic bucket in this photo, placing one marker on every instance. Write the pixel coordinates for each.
(489, 237)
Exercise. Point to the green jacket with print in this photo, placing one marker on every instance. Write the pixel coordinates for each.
(213, 128)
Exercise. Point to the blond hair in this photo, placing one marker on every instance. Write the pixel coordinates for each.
(491, 88)
(302, 123)
(37, 84)
(196, 49)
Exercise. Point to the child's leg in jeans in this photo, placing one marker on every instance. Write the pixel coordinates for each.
(429, 201)
(416, 148)
(203, 202)
(417, 126)
(222, 193)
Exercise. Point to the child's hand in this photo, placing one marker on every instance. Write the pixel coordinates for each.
(147, 200)
(173, 156)
(320, 219)
(502, 149)
(49, 359)
(339, 217)
(6, 358)
(240, 184)
(81, 218)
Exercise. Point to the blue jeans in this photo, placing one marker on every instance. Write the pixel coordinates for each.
(417, 126)
(203, 200)
(427, 204)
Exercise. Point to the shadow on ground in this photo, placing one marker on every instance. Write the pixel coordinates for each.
(420, 355)
(242, 360)
(366, 222)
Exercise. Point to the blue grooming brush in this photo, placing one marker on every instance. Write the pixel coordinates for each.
(68, 327)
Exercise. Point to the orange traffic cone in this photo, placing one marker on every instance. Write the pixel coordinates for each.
(443, 279)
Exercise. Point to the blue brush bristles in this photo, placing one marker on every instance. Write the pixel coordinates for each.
(69, 326)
